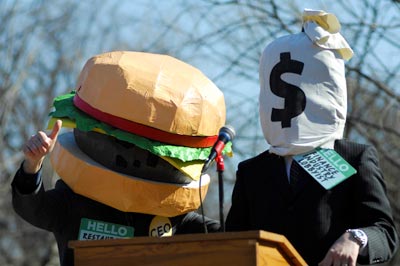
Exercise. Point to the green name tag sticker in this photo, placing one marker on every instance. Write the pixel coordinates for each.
(96, 230)
(326, 166)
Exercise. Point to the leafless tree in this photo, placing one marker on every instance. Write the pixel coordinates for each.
(45, 43)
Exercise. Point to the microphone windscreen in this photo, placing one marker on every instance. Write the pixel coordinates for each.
(228, 130)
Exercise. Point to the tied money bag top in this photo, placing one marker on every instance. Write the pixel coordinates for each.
(303, 93)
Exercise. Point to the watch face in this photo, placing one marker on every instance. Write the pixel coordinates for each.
(359, 236)
(357, 233)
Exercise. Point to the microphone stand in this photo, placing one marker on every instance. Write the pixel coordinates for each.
(220, 169)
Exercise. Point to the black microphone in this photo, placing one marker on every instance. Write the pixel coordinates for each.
(226, 134)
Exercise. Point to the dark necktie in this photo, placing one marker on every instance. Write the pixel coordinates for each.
(294, 175)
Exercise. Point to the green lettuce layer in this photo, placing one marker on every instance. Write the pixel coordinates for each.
(64, 108)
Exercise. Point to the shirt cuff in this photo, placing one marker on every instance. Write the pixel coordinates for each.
(27, 183)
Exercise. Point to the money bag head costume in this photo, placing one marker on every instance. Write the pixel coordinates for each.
(143, 126)
(303, 94)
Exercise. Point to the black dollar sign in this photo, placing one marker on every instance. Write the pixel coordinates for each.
(295, 99)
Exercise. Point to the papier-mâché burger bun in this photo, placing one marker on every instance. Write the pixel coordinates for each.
(151, 95)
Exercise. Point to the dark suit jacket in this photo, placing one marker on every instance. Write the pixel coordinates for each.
(314, 218)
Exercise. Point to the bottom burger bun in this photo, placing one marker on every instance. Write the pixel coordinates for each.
(123, 192)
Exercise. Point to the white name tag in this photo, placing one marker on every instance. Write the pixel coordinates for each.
(326, 166)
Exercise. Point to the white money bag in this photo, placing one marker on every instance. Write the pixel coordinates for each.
(303, 94)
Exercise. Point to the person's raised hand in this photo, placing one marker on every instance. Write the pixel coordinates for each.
(38, 146)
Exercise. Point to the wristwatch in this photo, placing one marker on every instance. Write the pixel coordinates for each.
(359, 236)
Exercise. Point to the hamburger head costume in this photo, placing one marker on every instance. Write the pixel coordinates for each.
(143, 126)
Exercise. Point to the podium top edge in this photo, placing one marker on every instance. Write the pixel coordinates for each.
(256, 235)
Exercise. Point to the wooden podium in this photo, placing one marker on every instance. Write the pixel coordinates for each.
(229, 248)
